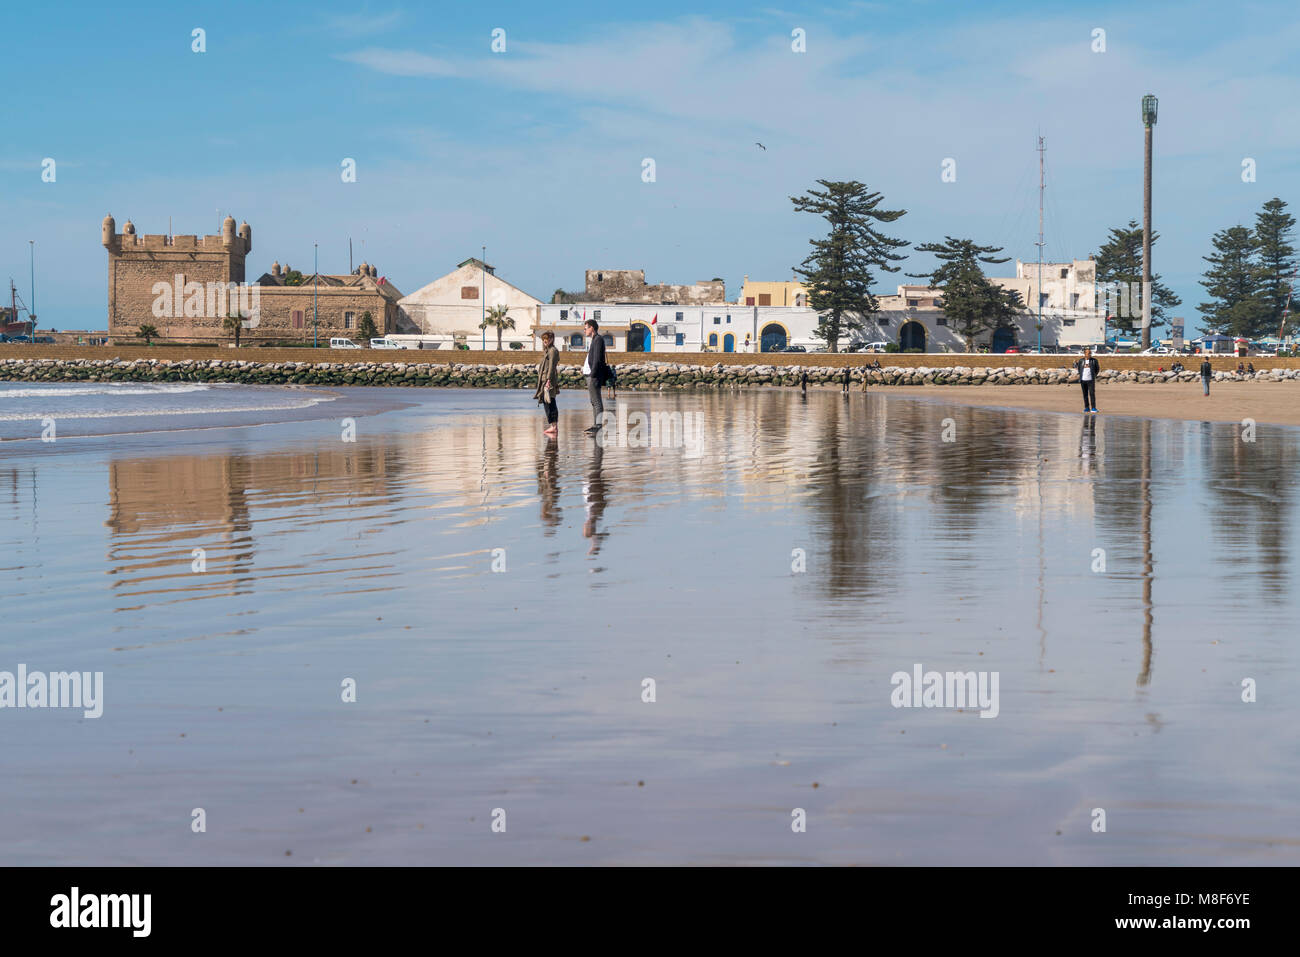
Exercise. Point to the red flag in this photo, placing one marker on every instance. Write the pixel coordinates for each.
(655, 319)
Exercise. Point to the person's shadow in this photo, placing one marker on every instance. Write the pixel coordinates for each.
(1088, 443)
(548, 487)
(593, 496)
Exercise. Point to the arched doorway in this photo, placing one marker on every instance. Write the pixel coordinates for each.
(638, 338)
(911, 336)
(728, 343)
(1004, 337)
(774, 338)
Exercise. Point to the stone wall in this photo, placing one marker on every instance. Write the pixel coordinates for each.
(634, 375)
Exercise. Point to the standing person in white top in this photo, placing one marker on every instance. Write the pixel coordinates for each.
(1088, 369)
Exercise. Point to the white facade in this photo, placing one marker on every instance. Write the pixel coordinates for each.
(450, 309)
(718, 327)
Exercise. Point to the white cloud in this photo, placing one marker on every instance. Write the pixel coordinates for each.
(400, 62)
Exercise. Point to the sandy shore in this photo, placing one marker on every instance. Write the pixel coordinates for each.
(1276, 403)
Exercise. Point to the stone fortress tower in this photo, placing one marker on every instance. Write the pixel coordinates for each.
(136, 263)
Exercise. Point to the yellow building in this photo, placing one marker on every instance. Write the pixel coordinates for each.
(773, 293)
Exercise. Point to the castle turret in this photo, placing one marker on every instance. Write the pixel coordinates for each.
(109, 231)
(374, 272)
(246, 234)
(128, 229)
(364, 270)
(275, 268)
(228, 231)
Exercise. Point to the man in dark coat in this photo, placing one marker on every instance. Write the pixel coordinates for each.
(596, 370)
(1088, 368)
(1207, 372)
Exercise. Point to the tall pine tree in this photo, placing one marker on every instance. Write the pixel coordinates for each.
(838, 272)
(1234, 281)
(971, 303)
(1277, 263)
(1119, 260)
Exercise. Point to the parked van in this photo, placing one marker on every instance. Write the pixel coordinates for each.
(385, 343)
(339, 342)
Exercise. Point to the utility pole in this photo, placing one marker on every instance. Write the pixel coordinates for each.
(315, 296)
(31, 310)
(482, 298)
(1149, 107)
(1042, 183)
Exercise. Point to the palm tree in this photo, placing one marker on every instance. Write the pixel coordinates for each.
(232, 325)
(497, 319)
(148, 334)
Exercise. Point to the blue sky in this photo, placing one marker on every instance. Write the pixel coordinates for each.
(537, 151)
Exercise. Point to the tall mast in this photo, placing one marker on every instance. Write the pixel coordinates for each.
(1042, 183)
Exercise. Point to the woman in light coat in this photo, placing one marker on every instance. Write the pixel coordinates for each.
(548, 382)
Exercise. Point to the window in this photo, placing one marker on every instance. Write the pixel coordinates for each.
(1074, 300)
(717, 320)
(469, 292)
(1067, 322)
(914, 302)
(681, 337)
(609, 340)
(1065, 273)
(1042, 300)
(564, 314)
(765, 299)
(681, 316)
(941, 321)
(348, 317)
(297, 318)
(595, 314)
(600, 277)
(713, 339)
(749, 300)
(728, 320)
(575, 340)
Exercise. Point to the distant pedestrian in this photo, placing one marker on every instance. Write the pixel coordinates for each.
(1207, 371)
(1241, 368)
(803, 381)
(596, 370)
(1250, 368)
(548, 382)
(847, 375)
(1088, 368)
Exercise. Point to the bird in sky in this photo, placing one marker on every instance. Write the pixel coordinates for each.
(761, 146)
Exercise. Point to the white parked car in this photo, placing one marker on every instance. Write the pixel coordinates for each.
(339, 342)
(385, 343)
(1158, 351)
(876, 347)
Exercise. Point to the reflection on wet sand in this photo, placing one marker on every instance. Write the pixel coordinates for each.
(374, 558)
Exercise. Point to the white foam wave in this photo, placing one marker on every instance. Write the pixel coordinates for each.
(56, 390)
(206, 410)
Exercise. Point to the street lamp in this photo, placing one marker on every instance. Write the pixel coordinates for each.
(1149, 107)
(315, 295)
(482, 299)
(31, 310)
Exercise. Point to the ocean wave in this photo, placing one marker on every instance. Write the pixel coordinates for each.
(160, 413)
(56, 389)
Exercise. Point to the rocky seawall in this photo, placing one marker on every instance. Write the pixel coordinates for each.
(633, 375)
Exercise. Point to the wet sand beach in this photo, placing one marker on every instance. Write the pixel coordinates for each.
(500, 599)
(1276, 403)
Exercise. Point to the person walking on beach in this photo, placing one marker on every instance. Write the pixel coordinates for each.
(596, 370)
(548, 382)
(1088, 368)
(1207, 371)
(847, 373)
(803, 382)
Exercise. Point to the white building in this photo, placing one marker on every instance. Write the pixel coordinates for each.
(646, 327)
(448, 310)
